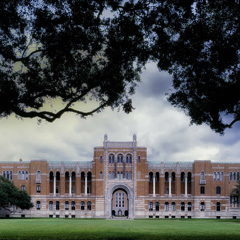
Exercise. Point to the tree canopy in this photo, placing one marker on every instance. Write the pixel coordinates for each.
(10, 195)
(81, 51)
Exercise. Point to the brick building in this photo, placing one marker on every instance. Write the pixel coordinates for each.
(119, 182)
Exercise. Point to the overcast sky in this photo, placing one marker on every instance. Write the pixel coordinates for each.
(160, 127)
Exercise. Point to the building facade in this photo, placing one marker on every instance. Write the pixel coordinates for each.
(120, 182)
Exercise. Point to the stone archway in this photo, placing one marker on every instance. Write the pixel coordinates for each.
(130, 196)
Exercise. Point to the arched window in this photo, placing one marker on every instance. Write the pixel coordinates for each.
(218, 206)
(150, 177)
(100, 174)
(234, 176)
(166, 206)
(38, 205)
(214, 176)
(130, 175)
(57, 205)
(221, 176)
(202, 206)
(73, 205)
(218, 176)
(89, 205)
(129, 158)
(150, 206)
(118, 175)
(182, 206)
(100, 159)
(111, 158)
(189, 206)
(82, 205)
(173, 206)
(38, 177)
(113, 175)
(189, 176)
(173, 176)
(218, 190)
(120, 158)
(66, 205)
(157, 206)
(202, 176)
(139, 159)
(50, 205)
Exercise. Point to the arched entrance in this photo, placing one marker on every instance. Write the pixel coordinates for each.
(119, 201)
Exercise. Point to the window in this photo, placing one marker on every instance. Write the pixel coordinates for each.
(38, 206)
(166, 176)
(218, 206)
(238, 176)
(182, 206)
(150, 206)
(111, 158)
(173, 206)
(218, 176)
(230, 176)
(189, 206)
(202, 190)
(214, 176)
(38, 177)
(202, 206)
(126, 175)
(202, 176)
(38, 188)
(22, 175)
(50, 205)
(221, 176)
(66, 205)
(89, 205)
(19, 175)
(57, 205)
(113, 175)
(7, 174)
(234, 176)
(139, 159)
(109, 175)
(120, 158)
(82, 205)
(157, 206)
(129, 158)
(23, 188)
(166, 206)
(100, 159)
(101, 175)
(73, 205)
(26, 175)
(130, 175)
(218, 190)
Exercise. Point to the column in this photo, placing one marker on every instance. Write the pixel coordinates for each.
(154, 180)
(70, 185)
(85, 184)
(54, 185)
(170, 186)
(186, 180)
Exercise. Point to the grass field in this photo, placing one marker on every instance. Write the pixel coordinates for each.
(119, 229)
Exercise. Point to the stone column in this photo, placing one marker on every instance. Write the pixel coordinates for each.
(170, 186)
(85, 184)
(186, 179)
(70, 185)
(54, 185)
(154, 190)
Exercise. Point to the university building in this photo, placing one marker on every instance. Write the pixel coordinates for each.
(120, 182)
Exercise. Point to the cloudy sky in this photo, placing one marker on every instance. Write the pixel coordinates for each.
(163, 129)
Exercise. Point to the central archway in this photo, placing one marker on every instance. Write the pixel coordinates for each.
(126, 195)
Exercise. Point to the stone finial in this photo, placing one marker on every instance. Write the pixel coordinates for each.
(105, 137)
(134, 137)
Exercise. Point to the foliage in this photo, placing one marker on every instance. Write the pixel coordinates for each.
(10, 195)
(236, 190)
(77, 51)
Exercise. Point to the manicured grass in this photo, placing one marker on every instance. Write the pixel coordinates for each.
(178, 229)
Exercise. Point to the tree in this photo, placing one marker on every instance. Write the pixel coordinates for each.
(10, 195)
(236, 191)
(78, 51)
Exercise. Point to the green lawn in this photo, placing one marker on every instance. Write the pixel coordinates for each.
(119, 229)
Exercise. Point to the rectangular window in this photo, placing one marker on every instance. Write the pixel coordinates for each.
(202, 190)
(26, 175)
(38, 188)
(100, 159)
(23, 188)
